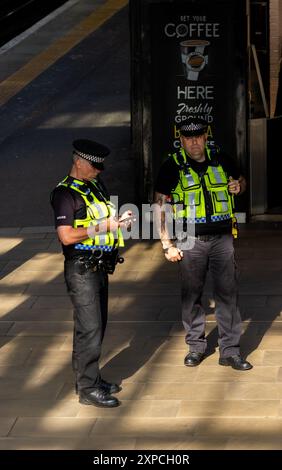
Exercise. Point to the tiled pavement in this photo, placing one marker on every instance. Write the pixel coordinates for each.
(164, 404)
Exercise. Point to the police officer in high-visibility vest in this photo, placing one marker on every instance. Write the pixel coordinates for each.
(199, 182)
(90, 234)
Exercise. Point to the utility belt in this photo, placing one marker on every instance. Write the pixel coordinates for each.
(99, 260)
(184, 230)
(184, 241)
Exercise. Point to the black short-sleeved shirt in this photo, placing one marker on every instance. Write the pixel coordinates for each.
(168, 178)
(68, 205)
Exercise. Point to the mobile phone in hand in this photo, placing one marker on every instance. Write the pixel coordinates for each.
(128, 219)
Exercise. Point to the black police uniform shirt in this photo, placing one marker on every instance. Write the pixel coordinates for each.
(168, 178)
(68, 205)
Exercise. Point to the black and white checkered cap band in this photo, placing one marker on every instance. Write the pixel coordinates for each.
(192, 127)
(91, 158)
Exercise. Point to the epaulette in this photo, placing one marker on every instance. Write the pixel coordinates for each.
(184, 166)
(214, 152)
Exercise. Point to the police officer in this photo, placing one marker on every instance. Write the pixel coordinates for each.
(201, 182)
(90, 234)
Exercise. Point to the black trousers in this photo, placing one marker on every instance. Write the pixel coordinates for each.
(217, 256)
(89, 295)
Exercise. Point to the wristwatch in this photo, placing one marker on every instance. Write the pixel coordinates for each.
(165, 250)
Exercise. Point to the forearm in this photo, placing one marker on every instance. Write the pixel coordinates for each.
(69, 235)
(161, 212)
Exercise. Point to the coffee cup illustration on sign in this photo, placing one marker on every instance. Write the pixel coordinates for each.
(193, 58)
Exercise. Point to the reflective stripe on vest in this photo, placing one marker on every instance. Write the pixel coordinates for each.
(190, 179)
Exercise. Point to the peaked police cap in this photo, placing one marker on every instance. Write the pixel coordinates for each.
(192, 127)
(92, 151)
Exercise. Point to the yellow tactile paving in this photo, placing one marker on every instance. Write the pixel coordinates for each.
(17, 81)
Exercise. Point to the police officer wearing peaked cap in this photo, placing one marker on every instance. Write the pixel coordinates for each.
(201, 182)
(89, 233)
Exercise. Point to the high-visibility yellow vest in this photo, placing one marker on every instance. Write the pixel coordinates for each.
(188, 196)
(98, 208)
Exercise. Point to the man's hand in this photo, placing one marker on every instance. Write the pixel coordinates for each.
(126, 219)
(174, 254)
(234, 186)
(110, 224)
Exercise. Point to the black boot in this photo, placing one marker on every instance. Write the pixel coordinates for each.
(236, 362)
(193, 359)
(98, 397)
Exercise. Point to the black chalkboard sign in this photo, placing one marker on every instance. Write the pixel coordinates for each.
(189, 58)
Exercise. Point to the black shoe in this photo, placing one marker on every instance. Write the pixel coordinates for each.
(236, 362)
(98, 397)
(193, 359)
(108, 387)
